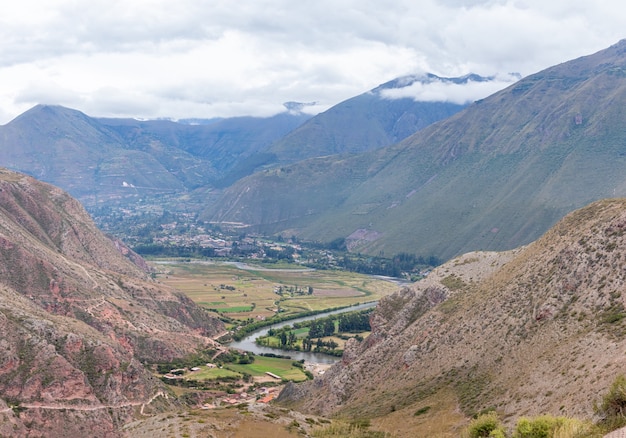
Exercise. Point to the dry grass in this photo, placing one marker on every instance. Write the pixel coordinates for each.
(436, 416)
(232, 422)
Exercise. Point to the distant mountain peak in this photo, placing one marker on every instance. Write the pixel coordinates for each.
(297, 107)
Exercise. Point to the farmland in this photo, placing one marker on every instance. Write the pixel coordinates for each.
(254, 291)
(262, 365)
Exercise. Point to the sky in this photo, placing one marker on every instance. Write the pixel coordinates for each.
(222, 58)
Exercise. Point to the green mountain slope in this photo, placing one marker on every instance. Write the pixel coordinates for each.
(368, 121)
(494, 176)
(73, 151)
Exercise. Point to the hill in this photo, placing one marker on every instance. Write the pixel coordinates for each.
(535, 330)
(492, 177)
(79, 319)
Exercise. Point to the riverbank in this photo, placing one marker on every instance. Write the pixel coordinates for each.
(248, 343)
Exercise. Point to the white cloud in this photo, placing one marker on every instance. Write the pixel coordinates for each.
(193, 58)
(446, 91)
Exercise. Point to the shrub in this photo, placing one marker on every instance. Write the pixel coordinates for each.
(485, 426)
(613, 406)
(540, 427)
(547, 426)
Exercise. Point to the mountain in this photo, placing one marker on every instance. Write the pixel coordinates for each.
(78, 319)
(101, 160)
(105, 161)
(73, 151)
(492, 177)
(233, 147)
(369, 121)
(535, 330)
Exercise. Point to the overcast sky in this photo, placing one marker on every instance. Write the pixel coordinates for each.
(194, 58)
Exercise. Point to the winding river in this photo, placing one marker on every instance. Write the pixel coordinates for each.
(248, 343)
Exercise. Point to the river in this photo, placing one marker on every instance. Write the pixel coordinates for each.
(248, 343)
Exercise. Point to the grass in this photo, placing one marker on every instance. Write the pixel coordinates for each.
(261, 365)
(207, 373)
(250, 293)
(235, 309)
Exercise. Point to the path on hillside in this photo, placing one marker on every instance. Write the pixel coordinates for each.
(61, 406)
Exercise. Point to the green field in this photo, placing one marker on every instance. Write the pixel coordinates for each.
(245, 293)
(207, 373)
(261, 365)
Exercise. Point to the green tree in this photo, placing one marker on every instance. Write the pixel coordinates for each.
(315, 329)
(328, 327)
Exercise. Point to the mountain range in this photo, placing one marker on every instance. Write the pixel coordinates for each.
(369, 121)
(537, 328)
(103, 161)
(99, 160)
(493, 176)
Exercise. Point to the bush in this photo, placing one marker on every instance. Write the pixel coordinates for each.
(613, 406)
(540, 427)
(485, 426)
(547, 426)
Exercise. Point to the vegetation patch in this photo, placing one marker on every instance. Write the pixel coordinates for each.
(545, 426)
(421, 411)
(322, 335)
(348, 429)
(453, 282)
(612, 409)
(247, 296)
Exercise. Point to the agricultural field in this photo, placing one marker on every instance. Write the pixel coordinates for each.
(261, 365)
(258, 369)
(243, 291)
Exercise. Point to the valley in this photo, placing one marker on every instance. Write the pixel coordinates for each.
(257, 292)
(476, 256)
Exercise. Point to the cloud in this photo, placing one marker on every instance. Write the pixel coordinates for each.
(440, 90)
(208, 58)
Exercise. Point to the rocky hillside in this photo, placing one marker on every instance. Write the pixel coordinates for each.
(78, 319)
(541, 329)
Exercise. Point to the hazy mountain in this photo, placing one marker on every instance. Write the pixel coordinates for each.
(531, 331)
(99, 160)
(102, 159)
(369, 121)
(234, 147)
(78, 319)
(493, 176)
(73, 151)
